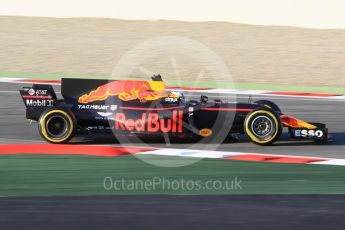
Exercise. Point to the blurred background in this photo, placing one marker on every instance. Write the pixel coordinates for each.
(299, 43)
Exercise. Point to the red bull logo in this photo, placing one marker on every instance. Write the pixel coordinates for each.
(150, 122)
(126, 90)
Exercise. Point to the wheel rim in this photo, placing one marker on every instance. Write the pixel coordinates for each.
(262, 127)
(57, 126)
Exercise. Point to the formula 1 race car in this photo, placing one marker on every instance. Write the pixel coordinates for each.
(146, 108)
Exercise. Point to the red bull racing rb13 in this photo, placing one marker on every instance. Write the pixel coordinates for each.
(147, 109)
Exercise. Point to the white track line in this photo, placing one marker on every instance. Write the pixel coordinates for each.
(254, 97)
(7, 91)
(263, 93)
(191, 153)
(339, 162)
(11, 80)
(236, 96)
(216, 154)
(222, 154)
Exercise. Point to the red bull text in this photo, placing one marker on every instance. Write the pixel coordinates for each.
(150, 122)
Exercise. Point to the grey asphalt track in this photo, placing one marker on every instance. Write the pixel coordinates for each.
(174, 212)
(14, 128)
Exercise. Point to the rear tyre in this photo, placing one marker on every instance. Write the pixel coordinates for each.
(270, 105)
(263, 126)
(57, 125)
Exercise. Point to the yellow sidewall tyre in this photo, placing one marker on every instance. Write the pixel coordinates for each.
(263, 126)
(62, 116)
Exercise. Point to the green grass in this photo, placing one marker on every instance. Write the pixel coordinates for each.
(204, 83)
(47, 175)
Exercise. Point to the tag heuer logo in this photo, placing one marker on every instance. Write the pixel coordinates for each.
(113, 107)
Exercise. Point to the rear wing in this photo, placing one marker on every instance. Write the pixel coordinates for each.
(37, 99)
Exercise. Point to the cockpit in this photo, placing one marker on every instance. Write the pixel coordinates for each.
(174, 97)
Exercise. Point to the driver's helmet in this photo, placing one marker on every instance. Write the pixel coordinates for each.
(176, 94)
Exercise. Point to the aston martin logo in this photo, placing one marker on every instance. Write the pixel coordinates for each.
(103, 114)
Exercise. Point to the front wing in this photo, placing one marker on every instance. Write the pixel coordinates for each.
(299, 129)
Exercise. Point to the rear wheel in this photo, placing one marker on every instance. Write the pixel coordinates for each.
(263, 126)
(56, 125)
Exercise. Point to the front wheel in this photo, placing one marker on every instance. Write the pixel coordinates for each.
(263, 126)
(56, 125)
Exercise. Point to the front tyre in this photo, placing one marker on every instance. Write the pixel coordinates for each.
(263, 126)
(57, 125)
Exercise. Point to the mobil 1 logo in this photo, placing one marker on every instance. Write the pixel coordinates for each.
(38, 103)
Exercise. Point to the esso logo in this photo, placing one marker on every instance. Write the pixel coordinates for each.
(309, 133)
